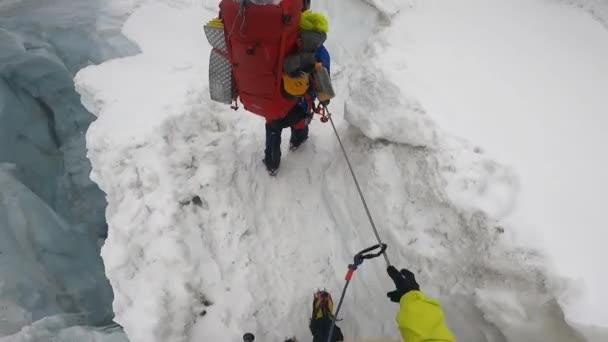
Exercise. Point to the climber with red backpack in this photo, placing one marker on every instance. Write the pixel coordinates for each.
(298, 67)
(270, 55)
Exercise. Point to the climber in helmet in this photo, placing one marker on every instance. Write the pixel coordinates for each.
(297, 69)
(269, 56)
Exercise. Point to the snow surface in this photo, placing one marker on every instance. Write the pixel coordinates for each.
(533, 98)
(464, 110)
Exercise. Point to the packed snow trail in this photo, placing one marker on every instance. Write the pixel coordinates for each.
(204, 246)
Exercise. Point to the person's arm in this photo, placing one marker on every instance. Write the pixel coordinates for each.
(420, 319)
(322, 56)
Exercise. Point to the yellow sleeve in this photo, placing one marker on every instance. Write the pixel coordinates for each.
(420, 319)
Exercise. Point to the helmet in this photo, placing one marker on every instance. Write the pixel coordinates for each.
(305, 5)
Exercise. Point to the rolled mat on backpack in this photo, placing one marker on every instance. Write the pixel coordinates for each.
(221, 85)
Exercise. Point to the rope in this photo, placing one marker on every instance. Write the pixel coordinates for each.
(352, 172)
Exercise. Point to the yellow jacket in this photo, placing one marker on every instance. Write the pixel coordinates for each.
(420, 319)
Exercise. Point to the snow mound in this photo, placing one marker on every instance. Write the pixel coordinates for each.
(203, 245)
(530, 97)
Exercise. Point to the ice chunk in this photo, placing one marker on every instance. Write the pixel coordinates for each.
(65, 328)
(43, 260)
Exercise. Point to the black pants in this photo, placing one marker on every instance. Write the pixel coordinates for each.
(295, 119)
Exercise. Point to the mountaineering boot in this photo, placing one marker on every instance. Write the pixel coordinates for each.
(322, 317)
(272, 153)
(298, 136)
(322, 306)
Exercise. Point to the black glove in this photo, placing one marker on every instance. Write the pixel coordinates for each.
(405, 281)
(295, 63)
(248, 337)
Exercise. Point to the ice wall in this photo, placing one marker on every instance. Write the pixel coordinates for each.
(51, 214)
(48, 267)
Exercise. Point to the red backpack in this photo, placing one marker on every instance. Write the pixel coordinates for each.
(258, 37)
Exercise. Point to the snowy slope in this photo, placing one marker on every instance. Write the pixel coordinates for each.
(203, 245)
(534, 99)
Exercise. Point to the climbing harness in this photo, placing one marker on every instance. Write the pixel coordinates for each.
(368, 253)
(319, 110)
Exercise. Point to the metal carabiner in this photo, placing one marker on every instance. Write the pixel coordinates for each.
(367, 253)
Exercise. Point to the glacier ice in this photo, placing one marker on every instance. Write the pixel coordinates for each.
(66, 328)
(51, 213)
(47, 266)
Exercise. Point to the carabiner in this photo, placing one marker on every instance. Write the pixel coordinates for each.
(367, 253)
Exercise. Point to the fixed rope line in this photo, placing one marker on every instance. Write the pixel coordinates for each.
(352, 172)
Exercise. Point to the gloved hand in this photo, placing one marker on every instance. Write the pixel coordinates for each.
(248, 337)
(405, 281)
